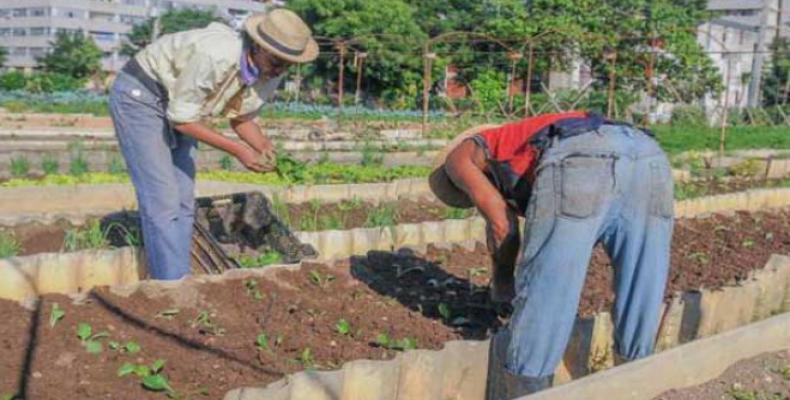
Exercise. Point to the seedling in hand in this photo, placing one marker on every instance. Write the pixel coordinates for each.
(55, 315)
(90, 340)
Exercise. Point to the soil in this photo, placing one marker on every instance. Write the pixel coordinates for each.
(397, 293)
(764, 377)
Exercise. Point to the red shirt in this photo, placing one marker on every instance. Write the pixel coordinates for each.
(510, 142)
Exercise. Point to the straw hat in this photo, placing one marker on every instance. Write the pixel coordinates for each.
(440, 183)
(284, 34)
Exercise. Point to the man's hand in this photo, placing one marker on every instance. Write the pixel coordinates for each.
(250, 158)
(251, 133)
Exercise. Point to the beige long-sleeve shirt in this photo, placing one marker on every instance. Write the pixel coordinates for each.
(201, 73)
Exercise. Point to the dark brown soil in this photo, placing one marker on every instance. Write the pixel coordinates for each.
(400, 294)
(764, 377)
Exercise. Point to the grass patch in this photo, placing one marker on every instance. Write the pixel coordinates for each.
(677, 139)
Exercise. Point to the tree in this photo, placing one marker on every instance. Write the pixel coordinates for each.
(73, 55)
(385, 29)
(3, 56)
(776, 86)
(170, 22)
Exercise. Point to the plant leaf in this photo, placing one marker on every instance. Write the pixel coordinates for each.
(84, 331)
(126, 369)
(157, 366)
(156, 382)
(142, 371)
(343, 327)
(55, 315)
(113, 345)
(262, 341)
(132, 347)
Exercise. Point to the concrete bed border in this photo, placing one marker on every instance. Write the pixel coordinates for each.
(26, 276)
(429, 375)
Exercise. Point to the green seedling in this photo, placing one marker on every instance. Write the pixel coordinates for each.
(168, 314)
(151, 377)
(456, 213)
(384, 340)
(131, 235)
(252, 289)
(383, 215)
(49, 165)
(748, 243)
(306, 358)
(444, 311)
(263, 260)
(343, 327)
(280, 209)
(20, 167)
(90, 237)
(206, 325)
(262, 342)
(90, 340)
(78, 165)
(700, 257)
(129, 347)
(55, 314)
(226, 163)
(319, 279)
(9, 246)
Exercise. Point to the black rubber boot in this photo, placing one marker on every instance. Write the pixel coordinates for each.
(503, 385)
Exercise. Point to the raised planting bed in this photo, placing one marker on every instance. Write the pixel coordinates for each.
(250, 327)
(763, 377)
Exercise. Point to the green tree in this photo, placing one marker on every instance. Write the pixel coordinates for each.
(3, 56)
(776, 89)
(170, 22)
(74, 55)
(385, 29)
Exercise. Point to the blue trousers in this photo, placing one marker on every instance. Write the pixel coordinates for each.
(162, 168)
(612, 186)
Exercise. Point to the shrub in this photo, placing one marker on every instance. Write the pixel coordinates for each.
(19, 167)
(49, 164)
(13, 80)
(689, 115)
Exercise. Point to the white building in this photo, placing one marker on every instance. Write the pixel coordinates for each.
(27, 27)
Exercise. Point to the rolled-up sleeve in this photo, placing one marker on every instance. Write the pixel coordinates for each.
(193, 86)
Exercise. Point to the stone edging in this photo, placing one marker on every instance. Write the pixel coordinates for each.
(422, 375)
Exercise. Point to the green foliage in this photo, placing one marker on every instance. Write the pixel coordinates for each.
(9, 246)
(20, 167)
(74, 55)
(47, 82)
(371, 156)
(205, 324)
(306, 358)
(78, 165)
(13, 80)
(776, 87)
(49, 164)
(444, 311)
(384, 340)
(319, 279)
(90, 340)
(170, 22)
(151, 376)
(252, 289)
(226, 163)
(382, 215)
(343, 327)
(489, 90)
(3, 55)
(675, 139)
(55, 315)
(457, 213)
(689, 116)
(116, 166)
(262, 260)
(262, 342)
(89, 237)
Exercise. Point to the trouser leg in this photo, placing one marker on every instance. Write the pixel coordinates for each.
(183, 159)
(640, 248)
(142, 132)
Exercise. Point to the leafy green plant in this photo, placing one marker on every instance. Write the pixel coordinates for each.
(130, 234)
(49, 164)
(371, 156)
(20, 167)
(9, 246)
(78, 166)
(55, 315)
(343, 327)
(444, 311)
(457, 213)
(262, 342)
(90, 340)
(151, 376)
(90, 237)
(266, 258)
(129, 347)
(290, 169)
(383, 215)
(226, 163)
(116, 166)
(384, 340)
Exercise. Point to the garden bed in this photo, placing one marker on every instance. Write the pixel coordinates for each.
(209, 333)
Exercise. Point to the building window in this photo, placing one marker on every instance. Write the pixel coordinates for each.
(20, 32)
(5, 31)
(5, 12)
(39, 31)
(19, 12)
(134, 2)
(38, 12)
(37, 52)
(106, 37)
(18, 51)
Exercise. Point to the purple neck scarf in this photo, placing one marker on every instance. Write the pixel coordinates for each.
(249, 72)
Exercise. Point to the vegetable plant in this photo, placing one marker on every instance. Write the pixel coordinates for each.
(252, 289)
(90, 340)
(306, 358)
(9, 246)
(226, 163)
(206, 324)
(151, 376)
(262, 260)
(49, 164)
(384, 340)
(343, 327)
(116, 166)
(90, 237)
(383, 215)
(55, 315)
(20, 167)
(129, 347)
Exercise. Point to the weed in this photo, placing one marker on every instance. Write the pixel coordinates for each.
(383, 215)
(343, 327)
(456, 213)
(168, 313)
(206, 325)
(252, 289)
(130, 235)
(90, 340)
(226, 163)
(306, 358)
(55, 315)
(90, 237)
(78, 165)
(151, 376)
(50, 165)
(262, 342)
(9, 247)
(383, 339)
(444, 311)
(20, 167)
(116, 166)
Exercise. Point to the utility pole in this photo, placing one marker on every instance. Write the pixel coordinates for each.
(758, 59)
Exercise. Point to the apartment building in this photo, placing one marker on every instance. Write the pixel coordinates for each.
(27, 27)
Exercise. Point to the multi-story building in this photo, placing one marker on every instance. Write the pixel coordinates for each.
(28, 27)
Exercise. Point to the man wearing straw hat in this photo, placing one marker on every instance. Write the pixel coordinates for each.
(161, 96)
(578, 180)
